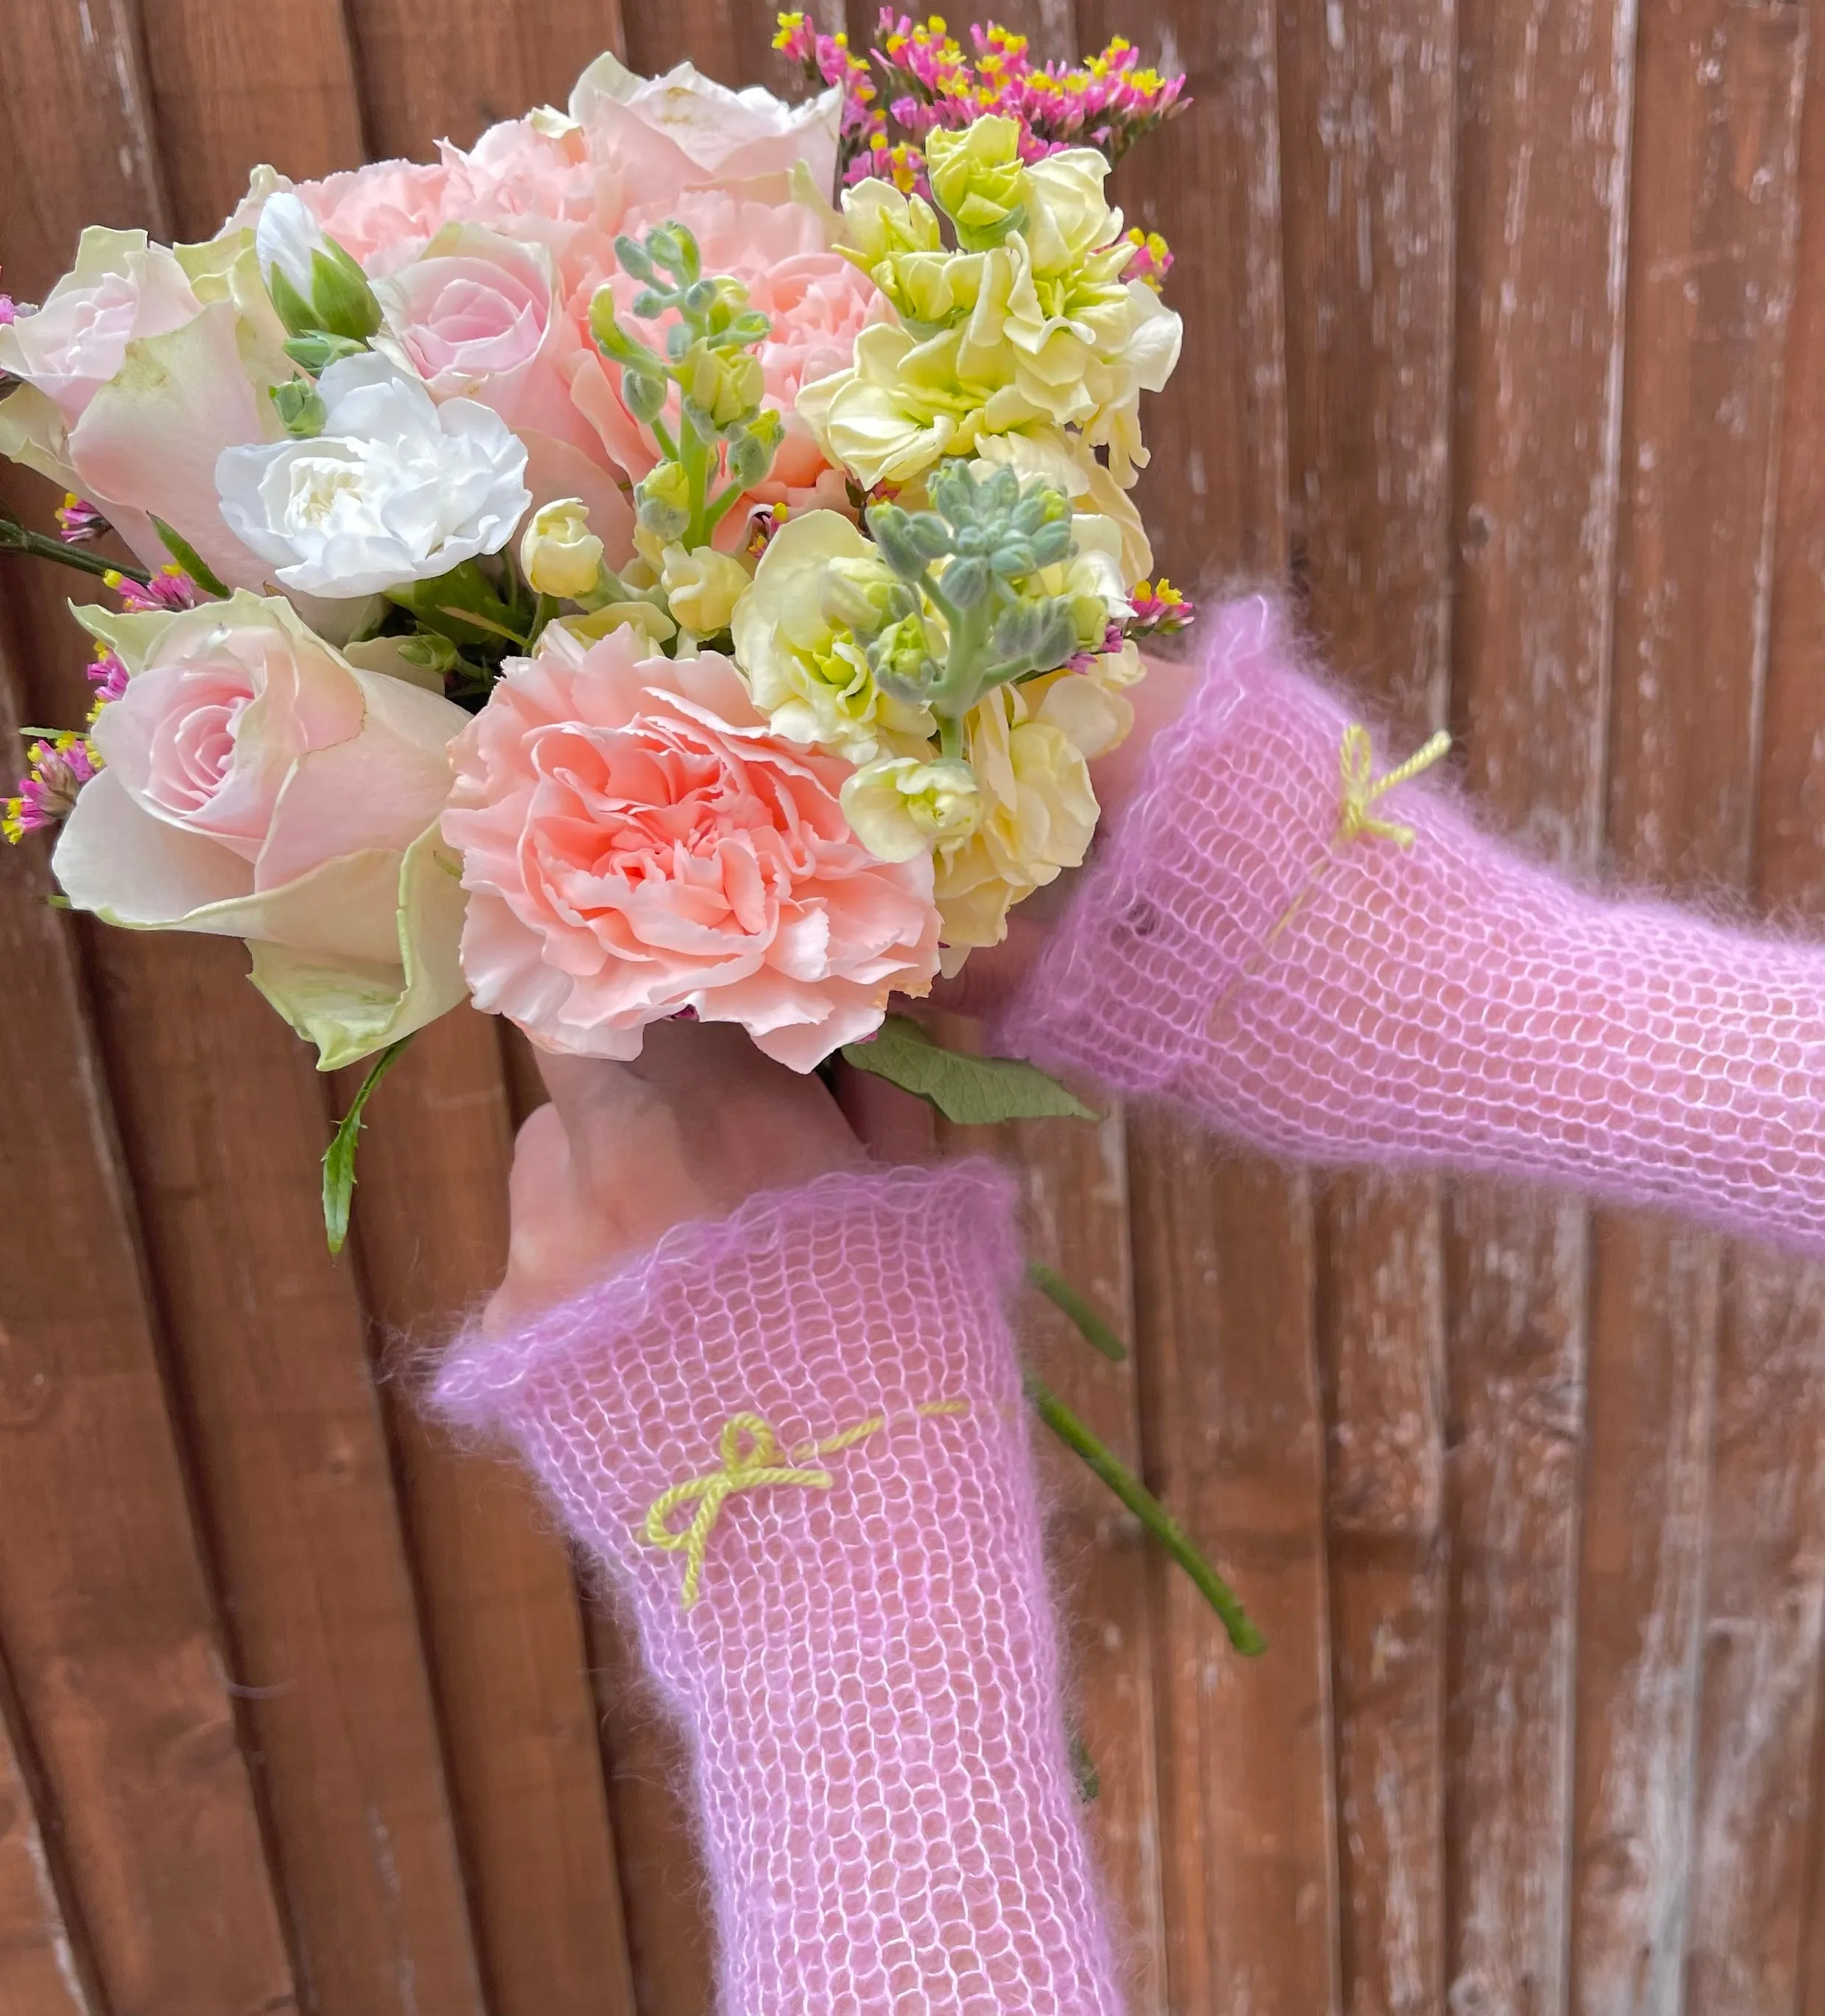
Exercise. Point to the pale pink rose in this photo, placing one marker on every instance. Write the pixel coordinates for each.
(122, 289)
(636, 842)
(664, 135)
(259, 785)
(818, 301)
(478, 317)
(144, 441)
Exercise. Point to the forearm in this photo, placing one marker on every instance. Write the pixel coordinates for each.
(1343, 997)
(858, 1643)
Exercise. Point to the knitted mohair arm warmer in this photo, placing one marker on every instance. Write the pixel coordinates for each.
(1345, 976)
(797, 1441)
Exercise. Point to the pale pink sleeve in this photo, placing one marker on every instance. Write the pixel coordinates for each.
(866, 1665)
(1343, 998)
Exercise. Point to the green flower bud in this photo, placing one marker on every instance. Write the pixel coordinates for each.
(891, 528)
(861, 596)
(631, 254)
(751, 456)
(643, 397)
(727, 387)
(662, 501)
(966, 581)
(903, 658)
(317, 353)
(435, 653)
(301, 410)
(1036, 635)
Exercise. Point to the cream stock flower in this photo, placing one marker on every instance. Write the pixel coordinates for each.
(1039, 814)
(805, 665)
(1036, 331)
(901, 806)
(559, 555)
(702, 587)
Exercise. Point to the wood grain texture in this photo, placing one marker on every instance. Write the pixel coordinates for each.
(492, 63)
(1756, 1795)
(224, 1121)
(1711, 244)
(107, 1615)
(44, 1970)
(1367, 109)
(1222, 1250)
(502, 1622)
(1543, 126)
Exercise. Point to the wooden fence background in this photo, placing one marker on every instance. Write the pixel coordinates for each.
(1505, 341)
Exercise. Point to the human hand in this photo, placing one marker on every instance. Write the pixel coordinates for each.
(693, 1126)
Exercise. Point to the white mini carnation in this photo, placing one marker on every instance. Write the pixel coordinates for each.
(396, 489)
(288, 236)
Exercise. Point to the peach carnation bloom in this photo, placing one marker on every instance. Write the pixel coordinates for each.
(638, 844)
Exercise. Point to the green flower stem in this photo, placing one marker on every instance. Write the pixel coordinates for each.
(1090, 1327)
(662, 435)
(17, 538)
(1153, 1515)
(718, 509)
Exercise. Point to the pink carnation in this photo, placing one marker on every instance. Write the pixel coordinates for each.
(637, 843)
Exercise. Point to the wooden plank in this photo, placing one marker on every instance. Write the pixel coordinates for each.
(494, 1578)
(1758, 1711)
(1367, 102)
(1222, 1246)
(279, 85)
(1543, 125)
(498, 1598)
(224, 1121)
(105, 1607)
(1717, 99)
(44, 1970)
(491, 64)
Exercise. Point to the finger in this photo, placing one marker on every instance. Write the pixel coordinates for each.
(993, 975)
(891, 1125)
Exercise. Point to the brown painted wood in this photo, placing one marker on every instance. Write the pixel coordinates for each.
(1542, 153)
(224, 1121)
(428, 72)
(44, 1969)
(494, 1578)
(1223, 1247)
(1367, 105)
(105, 1612)
(1758, 1708)
(1716, 124)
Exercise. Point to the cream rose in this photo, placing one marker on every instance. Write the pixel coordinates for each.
(259, 785)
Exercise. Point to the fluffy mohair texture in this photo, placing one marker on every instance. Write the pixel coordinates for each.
(869, 1677)
(1444, 1003)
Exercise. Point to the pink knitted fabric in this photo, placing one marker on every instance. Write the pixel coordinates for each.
(1444, 1003)
(869, 1676)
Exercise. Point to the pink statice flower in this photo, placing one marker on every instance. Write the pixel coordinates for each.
(1160, 610)
(60, 766)
(1152, 259)
(108, 675)
(79, 522)
(171, 588)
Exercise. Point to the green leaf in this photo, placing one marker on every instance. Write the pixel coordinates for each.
(190, 561)
(1095, 1331)
(1153, 1515)
(1083, 1769)
(339, 1157)
(973, 1092)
